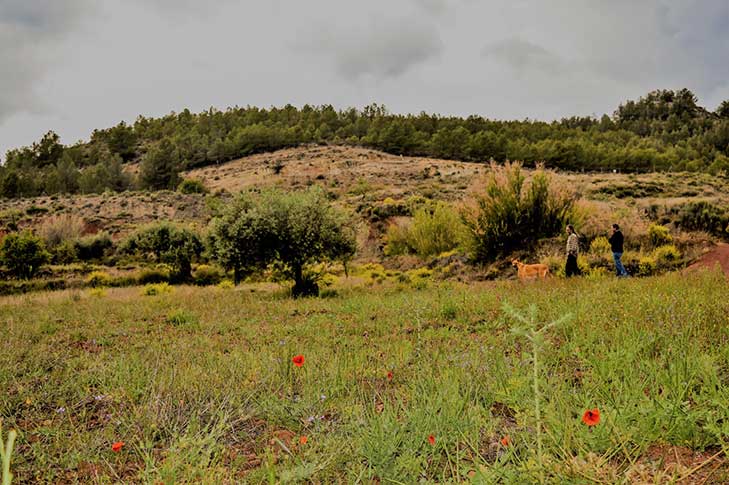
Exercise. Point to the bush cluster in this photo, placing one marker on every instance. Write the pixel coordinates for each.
(512, 214)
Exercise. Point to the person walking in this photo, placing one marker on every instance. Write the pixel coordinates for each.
(573, 249)
(616, 246)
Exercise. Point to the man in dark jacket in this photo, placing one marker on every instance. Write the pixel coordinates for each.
(616, 246)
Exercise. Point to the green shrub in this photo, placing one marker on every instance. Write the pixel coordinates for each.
(511, 214)
(397, 237)
(64, 253)
(647, 266)
(179, 318)
(434, 229)
(226, 285)
(658, 235)
(153, 275)
(97, 292)
(703, 216)
(156, 289)
(192, 186)
(600, 246)
(23, 254)
(666, 256)
(205, 275)
(93, 248)
(167, 243)
(555, 264)
(98, 278)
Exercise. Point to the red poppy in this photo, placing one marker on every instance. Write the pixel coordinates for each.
(431, 440)
(298, 360)
(389, 376)
(303, 440)
(591, 417)
(506, 440)
(116, 447)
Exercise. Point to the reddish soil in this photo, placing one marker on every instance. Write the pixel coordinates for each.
(717, 255)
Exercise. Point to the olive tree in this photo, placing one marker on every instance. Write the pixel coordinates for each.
(292, 229)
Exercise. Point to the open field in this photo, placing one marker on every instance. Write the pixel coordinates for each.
(200, 386)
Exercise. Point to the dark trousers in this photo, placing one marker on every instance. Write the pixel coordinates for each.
(571, 269)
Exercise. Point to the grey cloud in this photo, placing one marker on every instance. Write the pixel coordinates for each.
(28, 30)
(522, 55)
(384, 48)
(433, 6)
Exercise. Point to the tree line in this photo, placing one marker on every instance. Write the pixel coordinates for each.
(664, 130)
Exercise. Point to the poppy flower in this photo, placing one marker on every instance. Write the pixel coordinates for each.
(591, 417)
(116, 447)
(431, 440)
(303, 440)
(506, 440)
(298, 360)
(389, 376)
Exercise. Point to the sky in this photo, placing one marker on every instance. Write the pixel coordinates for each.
(75, 65)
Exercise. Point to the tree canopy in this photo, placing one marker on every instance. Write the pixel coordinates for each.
(293, 229)
(663, 130)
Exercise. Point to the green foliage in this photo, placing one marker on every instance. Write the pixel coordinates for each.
(192, 186)
(160, 167)
(666, 256)
(226, 285)
(153, 275)
(6, 453)
(647, 266)
(205, 275)
(98, 278)
(294, 229)
(154, 289)
(434, 229)
(659, 235)
(23, 254)
(93, 248)
(703, 216)
(600, 246)
(511, 214)
(167, 243)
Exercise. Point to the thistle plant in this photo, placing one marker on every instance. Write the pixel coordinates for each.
(530, 329)
(6, 450)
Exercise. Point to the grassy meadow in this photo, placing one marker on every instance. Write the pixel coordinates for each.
(398, 384)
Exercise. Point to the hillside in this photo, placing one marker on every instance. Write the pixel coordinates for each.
(357, 178)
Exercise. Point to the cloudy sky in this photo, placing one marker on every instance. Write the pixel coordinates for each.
(75, 65)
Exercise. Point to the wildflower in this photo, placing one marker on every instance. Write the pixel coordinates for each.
(322, 397)
(116, 447)
(506, 440)
(298, 360)
(389, 376)
(303, 440)
(431, 440)
(591, 417)
(61, 410)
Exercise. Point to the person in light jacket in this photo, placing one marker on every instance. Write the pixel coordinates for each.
(573, 249)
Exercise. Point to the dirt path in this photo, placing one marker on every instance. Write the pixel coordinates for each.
(717, 255)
